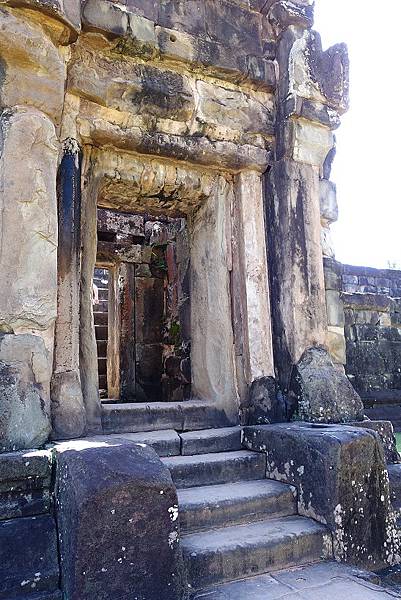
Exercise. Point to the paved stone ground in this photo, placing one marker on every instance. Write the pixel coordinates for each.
(323, 581)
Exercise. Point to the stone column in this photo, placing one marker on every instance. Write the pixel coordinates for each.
(312, 92)
(68, 413)
(28, 262)
(29, 149)
(253, 288)
(88, 348)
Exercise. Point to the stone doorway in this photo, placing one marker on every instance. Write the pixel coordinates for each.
(142, 307)
(223, 216)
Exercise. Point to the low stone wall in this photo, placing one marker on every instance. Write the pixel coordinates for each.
(367, 280)
(364, 305)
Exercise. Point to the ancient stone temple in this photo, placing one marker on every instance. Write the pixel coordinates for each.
(176, 420)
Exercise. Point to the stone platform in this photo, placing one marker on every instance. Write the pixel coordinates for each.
(324, 581)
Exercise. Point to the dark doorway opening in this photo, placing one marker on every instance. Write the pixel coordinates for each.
(100, 316)
(147, 316)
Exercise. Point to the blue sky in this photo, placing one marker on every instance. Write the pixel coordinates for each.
(367, 167)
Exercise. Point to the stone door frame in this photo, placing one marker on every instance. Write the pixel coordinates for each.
(231, 206)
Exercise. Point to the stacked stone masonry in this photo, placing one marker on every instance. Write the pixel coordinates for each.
(185, 147)
(364, 307)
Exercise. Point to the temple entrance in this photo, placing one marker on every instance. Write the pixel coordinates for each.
(141, 307)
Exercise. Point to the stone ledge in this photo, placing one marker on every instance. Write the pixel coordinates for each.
(25, 479)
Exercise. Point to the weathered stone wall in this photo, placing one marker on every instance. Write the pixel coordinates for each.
(365, 304)
(144, 106)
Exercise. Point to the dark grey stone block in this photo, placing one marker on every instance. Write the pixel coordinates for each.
(24, 483)
(122, 496)
(340, 473)
(28, 556)
(266, 403)
(386, 433)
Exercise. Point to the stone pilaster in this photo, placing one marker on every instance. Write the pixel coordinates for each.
(68, 414)
(87, 348)
(312, 92)
(253, 288)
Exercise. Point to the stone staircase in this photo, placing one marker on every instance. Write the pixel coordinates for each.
(234, 522)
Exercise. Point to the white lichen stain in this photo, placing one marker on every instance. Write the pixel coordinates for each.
(173, 512)
(172, 538)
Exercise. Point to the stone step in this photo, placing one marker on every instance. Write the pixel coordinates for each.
(236, 552)
(100, 318)
(211, 469)
(382, 412)
(102, 365)
(211, 440)
(101, 332)
(165, 442)
(133, 417)
(322, 581)
(244, 501)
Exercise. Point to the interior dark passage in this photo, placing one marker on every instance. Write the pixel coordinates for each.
(149, 313)
(100, 315)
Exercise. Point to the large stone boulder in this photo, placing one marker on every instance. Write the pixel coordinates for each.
(24, 392)
(117, 515)
(322, 392)
(341, 478)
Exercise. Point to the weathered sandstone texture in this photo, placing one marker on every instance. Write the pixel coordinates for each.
(24, 392)
(146, 109)
(341, 476)
(122, 495)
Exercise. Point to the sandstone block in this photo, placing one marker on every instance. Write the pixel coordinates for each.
(335, 309)
(332, 274)
(25, 479)
(234, 27)
(327, 242)
(311, 142)
(386, 432)
(352, 496)
(336, 344)
(126, 86)
(123, 495)
(221, 108)
(33, 70)
(24, 390)
(285, 13)
(328, 201)
(266, 404)
(28, 166)
(67, 408)
(323, 394)
(105, 17)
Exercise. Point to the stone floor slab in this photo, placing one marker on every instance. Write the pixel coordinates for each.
(323, 581)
